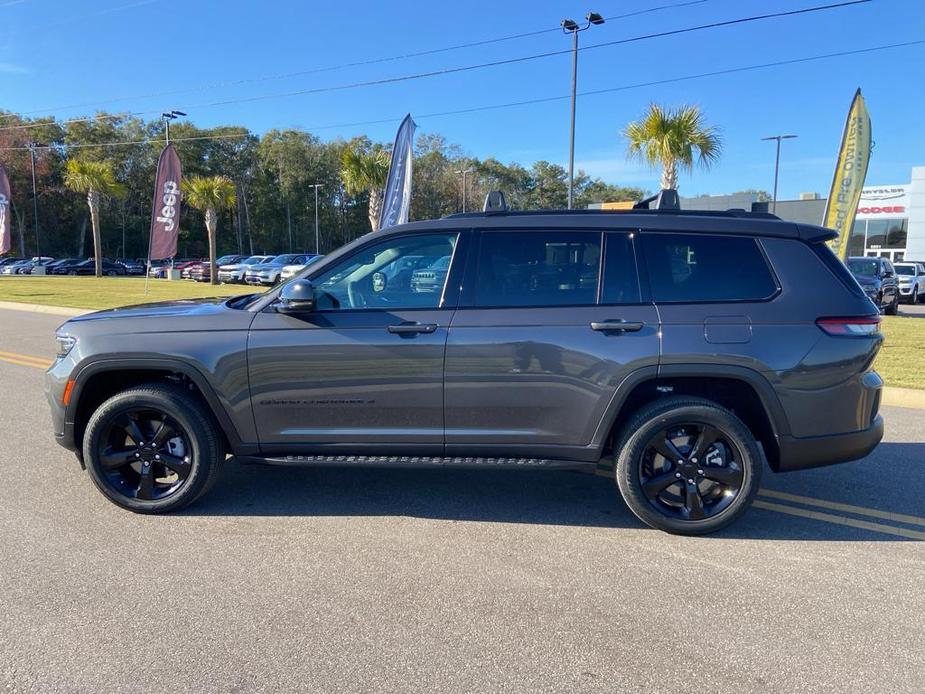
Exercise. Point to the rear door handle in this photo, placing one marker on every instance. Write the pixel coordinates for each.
(625, 326)
(407, 328)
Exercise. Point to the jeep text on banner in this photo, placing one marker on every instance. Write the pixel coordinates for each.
(5, 240)
(850, 171)
(397, 199)
(165, 215)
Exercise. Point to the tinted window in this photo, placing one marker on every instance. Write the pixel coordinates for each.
(864, 267)
(700, 267)
(621, 283)
(557, 268)
(380, 276)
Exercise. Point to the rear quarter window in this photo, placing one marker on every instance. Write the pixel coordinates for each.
(699, 268)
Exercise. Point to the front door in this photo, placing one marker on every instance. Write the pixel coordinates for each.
(363, 372)
(541, 341)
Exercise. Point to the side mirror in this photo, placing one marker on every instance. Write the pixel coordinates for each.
(298, 296)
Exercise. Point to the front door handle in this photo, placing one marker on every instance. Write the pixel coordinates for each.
(622, 325)
(408, 328)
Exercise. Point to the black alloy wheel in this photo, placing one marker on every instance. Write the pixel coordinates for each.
(153, 448)
(145, 454)
(687, 465)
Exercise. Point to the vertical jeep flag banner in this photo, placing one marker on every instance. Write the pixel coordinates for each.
(850, 172)
(396, 202)
(5, 226)
(165, 214)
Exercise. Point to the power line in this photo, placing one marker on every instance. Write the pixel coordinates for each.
(467, 68)
(360, 63)
(526, 102)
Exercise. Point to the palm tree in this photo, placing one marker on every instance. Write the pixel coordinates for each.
(670, 138)
(366, 172)
(97, 179)
(211, 194)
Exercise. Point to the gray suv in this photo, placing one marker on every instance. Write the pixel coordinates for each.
(674, 352)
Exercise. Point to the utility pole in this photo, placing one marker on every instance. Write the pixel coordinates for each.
(169, 116)
(316, 186)
(35, 199)
(465, 173)
(777, 138)
(571, 27)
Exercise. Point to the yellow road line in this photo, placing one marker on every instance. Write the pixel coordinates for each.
(844, 508)
(840, 520)
(25, 360)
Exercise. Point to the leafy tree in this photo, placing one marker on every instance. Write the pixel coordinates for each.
(365, 171)
(672, 138)
(97, 180)
(211, 195)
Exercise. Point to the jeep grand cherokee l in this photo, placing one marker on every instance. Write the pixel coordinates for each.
(673, 352)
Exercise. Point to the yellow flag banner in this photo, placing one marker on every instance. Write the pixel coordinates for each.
(850, 172)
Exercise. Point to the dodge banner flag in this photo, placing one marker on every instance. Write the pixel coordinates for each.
(850, 171)
(5, 226)
(396, 202)
(165, 215)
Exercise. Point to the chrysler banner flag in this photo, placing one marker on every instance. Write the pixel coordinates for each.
(396, 202)
(165, 215)
(850, 171)
(5, 240)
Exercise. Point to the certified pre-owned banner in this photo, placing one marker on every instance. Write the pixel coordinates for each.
(850, 171)
(397, 200)
(165, 215)
(5, 240)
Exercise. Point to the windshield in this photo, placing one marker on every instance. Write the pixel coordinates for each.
(283, 259)
(225, 259)
(864, 268)
(905, 269)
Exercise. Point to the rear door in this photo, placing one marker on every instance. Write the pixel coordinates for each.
(541, 341)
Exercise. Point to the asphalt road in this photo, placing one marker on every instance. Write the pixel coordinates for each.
(393, 580)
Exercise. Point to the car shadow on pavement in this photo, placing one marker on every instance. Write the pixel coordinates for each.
(557, 497)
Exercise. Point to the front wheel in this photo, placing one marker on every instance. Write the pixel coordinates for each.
(893, 308)
(686, 465)
(152, 449)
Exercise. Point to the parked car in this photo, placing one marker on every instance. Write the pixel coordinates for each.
(160, 271)
(36, 261)
(289, 271)
(88, 267)
(911, 277)
(269, 272)
(235, 272)
(132, 267)
(14, 267)
(64, 267)
(202, 272)
(744, 340)
(8, 260)
(431, 278)
(877, 277)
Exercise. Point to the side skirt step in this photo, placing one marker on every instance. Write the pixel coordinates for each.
(419, 461)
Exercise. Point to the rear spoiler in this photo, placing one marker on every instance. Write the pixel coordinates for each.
(815, 234)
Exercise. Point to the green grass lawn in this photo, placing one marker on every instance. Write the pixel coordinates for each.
(107, 292)
(901, 362)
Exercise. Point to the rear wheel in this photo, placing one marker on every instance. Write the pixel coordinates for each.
(152, 449)
(687, 466)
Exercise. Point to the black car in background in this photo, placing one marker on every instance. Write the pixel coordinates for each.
(132, 267)
(88, 267)
(877, 278)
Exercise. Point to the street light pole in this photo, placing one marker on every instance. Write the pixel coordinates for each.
(169, 116)
(777, 138)
(465, 173)
(316, 186)
(35, 200)
(572, 27)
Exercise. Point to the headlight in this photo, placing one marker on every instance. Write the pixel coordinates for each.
(64, 344)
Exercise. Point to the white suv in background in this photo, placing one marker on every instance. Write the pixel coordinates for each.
(236, 271)
(911, 279)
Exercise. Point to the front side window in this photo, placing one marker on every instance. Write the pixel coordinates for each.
(399, 273)
(554, 268)
(706, 268)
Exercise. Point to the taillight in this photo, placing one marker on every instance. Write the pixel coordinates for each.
(857, 326)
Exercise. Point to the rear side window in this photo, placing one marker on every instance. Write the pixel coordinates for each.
(705, 268)
(837, 267)
(555, 268)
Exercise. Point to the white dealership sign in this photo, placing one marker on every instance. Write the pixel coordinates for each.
(880, 202)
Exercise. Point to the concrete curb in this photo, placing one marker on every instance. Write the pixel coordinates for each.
(39, 308)
(892, 396)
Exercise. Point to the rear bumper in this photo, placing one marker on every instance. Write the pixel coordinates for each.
(802, 453)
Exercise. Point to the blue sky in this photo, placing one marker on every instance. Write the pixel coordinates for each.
(68, 58)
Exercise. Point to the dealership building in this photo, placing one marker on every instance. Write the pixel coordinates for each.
(890, 221)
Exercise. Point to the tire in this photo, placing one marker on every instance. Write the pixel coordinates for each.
(915, 296)
(196, 451)
(72, 272)
(639, 470)
(893, 308)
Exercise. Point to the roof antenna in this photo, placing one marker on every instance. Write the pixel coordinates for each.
(494, 202)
